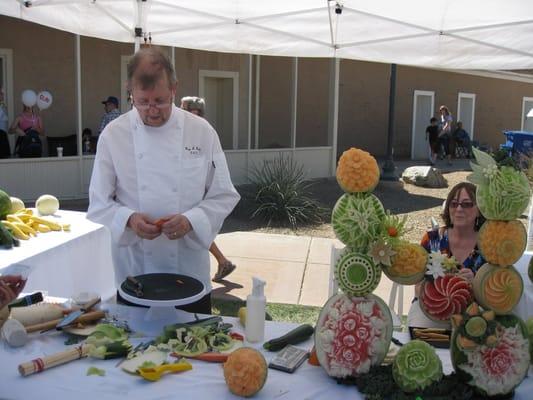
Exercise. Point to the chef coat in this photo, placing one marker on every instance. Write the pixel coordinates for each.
(178, 168)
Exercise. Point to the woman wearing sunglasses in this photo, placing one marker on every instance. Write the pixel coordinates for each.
(457, 238)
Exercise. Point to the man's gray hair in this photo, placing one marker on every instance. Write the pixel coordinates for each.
(191, 103)
(147, 66)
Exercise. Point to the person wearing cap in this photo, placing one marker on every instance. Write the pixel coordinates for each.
(111, 112)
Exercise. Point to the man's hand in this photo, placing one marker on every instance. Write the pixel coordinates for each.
(143, 226)
(176, 226)
(10, 287)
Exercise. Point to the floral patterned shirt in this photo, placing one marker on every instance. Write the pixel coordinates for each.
(437, 240)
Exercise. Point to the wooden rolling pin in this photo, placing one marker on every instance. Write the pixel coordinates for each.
(87, 317)
(40, 364)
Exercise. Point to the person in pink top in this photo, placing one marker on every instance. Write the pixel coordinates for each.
(27, 123)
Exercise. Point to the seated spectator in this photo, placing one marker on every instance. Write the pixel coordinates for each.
(111, 112)
(29, 128)
(462, 138)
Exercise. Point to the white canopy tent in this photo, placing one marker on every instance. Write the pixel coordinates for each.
(456, 34)
(449, 34)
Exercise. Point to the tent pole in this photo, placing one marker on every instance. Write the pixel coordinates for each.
(79, 124)
(389, 169)
(333, 113)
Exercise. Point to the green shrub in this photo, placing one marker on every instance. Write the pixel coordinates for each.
(278, 193)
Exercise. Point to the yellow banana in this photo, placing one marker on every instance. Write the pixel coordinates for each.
(23, 217)
(52, 225)
(25, 228)
(24, 211)
(16, 230)
(41, 228)
(13, 218)
(66, 227)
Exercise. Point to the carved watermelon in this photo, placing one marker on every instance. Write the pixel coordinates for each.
(416, 366)
(490, 354)
(356, 273)
(498, 288)
(408, 264)
(356, 220)
(505, 196)
(444, 296)
(357, 171)
(352, 334)
(502, 242)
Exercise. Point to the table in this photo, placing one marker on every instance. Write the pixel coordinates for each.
(65, 263)
(205, 381)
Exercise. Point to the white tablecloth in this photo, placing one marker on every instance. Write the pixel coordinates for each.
(65, 263)
(205, 381)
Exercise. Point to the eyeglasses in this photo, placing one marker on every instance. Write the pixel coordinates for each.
(463, 204)
(146, 107)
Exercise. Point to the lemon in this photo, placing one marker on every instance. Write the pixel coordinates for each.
(242, 315)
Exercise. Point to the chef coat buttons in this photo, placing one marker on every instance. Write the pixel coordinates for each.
(140, 156)
(149, 253)
(172, 255)
(175, 189)
(143, 187)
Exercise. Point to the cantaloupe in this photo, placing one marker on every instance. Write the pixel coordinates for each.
(502, 242)
(498, 288)
(416, 366)
(357, 171)
(352, 334)
(356, 274)
(245, 372)
(492, 356)
(408, 264)
(357, 219)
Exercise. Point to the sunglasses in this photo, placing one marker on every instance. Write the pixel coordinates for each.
(463, 204)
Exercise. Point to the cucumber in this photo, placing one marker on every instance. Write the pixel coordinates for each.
(6, 239)
(297, 335)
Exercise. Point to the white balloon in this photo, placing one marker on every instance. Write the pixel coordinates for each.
(29, 98)
(44, 100)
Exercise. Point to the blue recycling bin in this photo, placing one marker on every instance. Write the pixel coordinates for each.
(519, 141)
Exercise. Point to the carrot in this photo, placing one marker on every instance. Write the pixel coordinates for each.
(159, 223)
(313, 359)
(236, 336)
(209, 357)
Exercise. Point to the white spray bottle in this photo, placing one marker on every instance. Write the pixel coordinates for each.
(255, 312)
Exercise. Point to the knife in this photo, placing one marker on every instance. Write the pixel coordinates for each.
(74, 315)
(137, 286)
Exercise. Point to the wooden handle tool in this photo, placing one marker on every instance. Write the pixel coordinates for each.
(87, 317)
(40, 364)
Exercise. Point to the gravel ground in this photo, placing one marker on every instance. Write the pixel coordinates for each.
(418, 203)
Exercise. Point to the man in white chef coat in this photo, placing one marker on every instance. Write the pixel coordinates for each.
(158, 162)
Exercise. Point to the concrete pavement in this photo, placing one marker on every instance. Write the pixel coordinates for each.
(295, 268)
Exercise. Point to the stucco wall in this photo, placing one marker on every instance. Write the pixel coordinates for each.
(43, 59)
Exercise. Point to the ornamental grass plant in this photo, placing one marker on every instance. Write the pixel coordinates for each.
(279, 194)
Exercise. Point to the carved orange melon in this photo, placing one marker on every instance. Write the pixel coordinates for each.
(408, 264)
(498, 289)
(245, 371)
(502, 242)
(357, 171)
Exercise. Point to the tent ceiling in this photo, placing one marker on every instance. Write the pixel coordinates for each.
(457, 34)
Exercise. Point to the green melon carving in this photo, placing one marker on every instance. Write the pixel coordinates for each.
(502, 192)
(356, 274)
(356, 220)
(416, 366)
